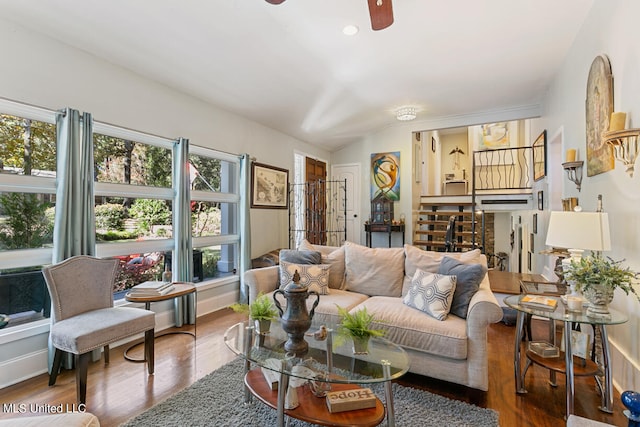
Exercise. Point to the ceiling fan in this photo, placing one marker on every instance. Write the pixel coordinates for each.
(381, 12)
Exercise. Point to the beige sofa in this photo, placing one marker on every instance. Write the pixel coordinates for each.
(453, 349)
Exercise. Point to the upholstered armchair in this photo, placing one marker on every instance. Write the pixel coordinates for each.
(84, 318)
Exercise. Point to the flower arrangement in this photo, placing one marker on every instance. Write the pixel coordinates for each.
(597, 271)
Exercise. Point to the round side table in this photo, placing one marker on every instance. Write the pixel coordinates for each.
(180, 289)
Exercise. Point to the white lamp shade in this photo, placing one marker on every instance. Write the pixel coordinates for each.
(579, 230)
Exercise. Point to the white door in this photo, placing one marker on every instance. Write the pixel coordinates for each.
(350, 173)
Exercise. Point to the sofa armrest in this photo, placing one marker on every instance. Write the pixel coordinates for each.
(261, 280)
(483, 308)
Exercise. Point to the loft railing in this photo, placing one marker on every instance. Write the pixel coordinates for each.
(503, 169)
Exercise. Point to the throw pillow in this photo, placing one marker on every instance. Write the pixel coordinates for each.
(431, 293)
(333, 256)
(468, 277)
(416, 258)
(374, 272)
(300, 257)
(315, 277)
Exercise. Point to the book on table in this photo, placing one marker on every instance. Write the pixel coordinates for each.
(152, 288)
(539, 302)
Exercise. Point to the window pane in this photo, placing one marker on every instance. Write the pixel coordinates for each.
(128, 162)
(213, 218)
(137, 268)
(214, 261)
(26, 220)
(23, 296)
(208, 174)
(27, 147)
(120, 219)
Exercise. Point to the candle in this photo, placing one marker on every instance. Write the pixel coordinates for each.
(618, 120)
(571, 155)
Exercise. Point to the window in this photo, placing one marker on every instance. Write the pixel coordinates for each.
(133, 202)
(27, 206)
(215, 196)
(133, 207)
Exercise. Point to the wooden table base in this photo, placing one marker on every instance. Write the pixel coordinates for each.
(314, 409)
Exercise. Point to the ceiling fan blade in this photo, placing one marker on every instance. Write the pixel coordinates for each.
(381, 12)
(275, 1)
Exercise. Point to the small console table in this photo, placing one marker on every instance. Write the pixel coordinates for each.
(383, 228)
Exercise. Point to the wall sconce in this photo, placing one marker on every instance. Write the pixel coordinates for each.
(625, 146)
(574, 172)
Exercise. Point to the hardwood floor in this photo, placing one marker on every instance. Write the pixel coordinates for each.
(122, 389)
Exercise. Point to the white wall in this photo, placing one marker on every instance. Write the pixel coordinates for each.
(611, 29)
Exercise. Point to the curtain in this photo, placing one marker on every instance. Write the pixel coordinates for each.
(182, 261)
(74, 222)
(74, 231)
(245, 223)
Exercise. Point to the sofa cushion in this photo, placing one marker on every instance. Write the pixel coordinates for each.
(377, 271)
(431, 293)
(468, 281)
(314, 277)
(300, 256)
(430, 261)
(413, 329)
(333, 256)
(326, 312)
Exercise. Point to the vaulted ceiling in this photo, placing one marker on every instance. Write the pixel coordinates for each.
(291, 68)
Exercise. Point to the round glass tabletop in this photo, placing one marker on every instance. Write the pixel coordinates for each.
(340, 365)
(563, 314)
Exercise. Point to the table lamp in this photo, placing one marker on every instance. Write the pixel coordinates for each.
(577, 232)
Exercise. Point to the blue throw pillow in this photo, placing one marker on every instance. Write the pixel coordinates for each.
(468, 281)
(300, 257)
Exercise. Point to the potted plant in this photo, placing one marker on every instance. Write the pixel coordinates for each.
(261, 310)
(597, 278)
(357, 326)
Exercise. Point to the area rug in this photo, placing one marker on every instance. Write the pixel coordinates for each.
(217, 400)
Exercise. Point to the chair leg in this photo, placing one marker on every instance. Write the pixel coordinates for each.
(149, 350)
(82, 366)
(106, 354)
(57, 361)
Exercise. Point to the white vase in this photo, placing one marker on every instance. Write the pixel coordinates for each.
(599, 298)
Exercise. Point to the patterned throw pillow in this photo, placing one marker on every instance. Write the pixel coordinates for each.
(315, 277)
(431, 293)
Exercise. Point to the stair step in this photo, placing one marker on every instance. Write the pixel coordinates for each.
(447, 204)
(442, 222)
(441, 244)
(443, 232)
(445, 213)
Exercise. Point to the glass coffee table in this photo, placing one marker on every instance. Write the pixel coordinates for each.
(329, 362)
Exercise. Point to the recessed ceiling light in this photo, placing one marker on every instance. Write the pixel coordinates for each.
(350, 30)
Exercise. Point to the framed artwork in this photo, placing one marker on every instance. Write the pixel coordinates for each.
(535, 223)
(269, 187)
(580, 344)
(540, 200)
(492, 136)
(540, 156)
(599, 106)
(385, 175)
